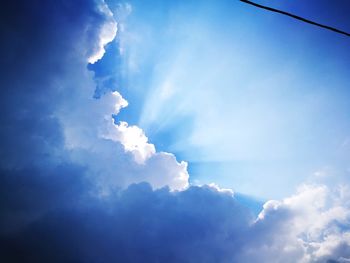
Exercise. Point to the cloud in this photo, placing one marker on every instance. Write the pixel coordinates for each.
(51, 115)
(135, 225)
(107, 33)
(68, 171)
(115, 154)
(36, 49)
(310, 226)
(138, 224)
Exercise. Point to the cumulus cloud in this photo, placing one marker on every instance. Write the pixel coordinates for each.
(138, 224)
(107, 33)
(53, 99)
(310, 226)
(89, 130)
(68, 170)
(119, 153)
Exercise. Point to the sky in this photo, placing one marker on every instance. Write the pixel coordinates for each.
(241, 93)
(174, 131)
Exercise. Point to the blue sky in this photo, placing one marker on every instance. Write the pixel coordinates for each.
(241, 93)
(173, 131)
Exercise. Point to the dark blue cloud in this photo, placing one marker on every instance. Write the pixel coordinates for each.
(30, 193)
(136, 225)
(39, 40)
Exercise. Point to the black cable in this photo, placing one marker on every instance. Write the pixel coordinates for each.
(296, 17)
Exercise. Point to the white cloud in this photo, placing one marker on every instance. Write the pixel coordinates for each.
(106, 35)
(133, 139)
(120, 154)
(310, 226)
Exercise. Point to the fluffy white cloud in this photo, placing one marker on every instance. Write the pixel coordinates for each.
(310, 226)
(133, 139)
(107, 33)
(119, 153)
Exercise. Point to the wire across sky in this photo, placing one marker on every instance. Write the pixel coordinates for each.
(296, 17)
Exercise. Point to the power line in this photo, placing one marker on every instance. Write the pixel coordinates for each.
(296, 17)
